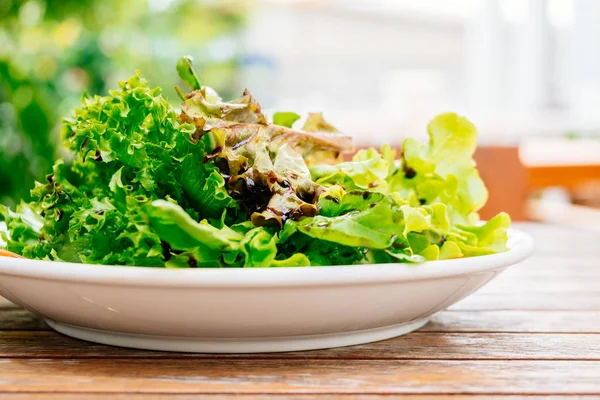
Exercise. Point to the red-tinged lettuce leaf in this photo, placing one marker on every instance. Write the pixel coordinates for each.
(264, 166)
(316, 123)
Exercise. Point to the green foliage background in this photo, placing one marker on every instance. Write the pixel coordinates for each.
(51, 51)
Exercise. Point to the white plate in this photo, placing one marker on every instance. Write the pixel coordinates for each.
(246, 310)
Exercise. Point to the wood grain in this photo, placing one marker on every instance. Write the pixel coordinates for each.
(299, 376)
(19, 319)
(6, 304)
(515, 321)
(548, 263)
(561, 242)
(482, 301)
(421, 345)
(548, 285)
(551, 270)
(490, 321)
(266, 396)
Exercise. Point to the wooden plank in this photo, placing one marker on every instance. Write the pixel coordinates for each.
(549, 231)
(134, 396)
(561, 248)
(588, 283)
(539, 278)
(18, 319)
(512, 321)
(515, 321)
(529, 300)
(249, 376)
(554, 274)
(536, 272)
(4, 304)
(561, 241)
(548, 285)
(541, 262)
(542, 277)
(419, 345)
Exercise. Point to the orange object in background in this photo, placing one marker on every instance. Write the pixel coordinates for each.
(513, 174)
(506, 179)
(5, 253)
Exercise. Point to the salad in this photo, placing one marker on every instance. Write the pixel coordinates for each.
(220, 184)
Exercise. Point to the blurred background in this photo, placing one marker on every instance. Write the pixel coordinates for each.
(527, 72)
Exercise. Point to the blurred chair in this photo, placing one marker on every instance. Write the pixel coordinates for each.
(506, 179)
(514, 175)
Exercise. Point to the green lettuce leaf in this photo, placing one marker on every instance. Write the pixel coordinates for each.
(302, 250)
(173, 225)
(285, 118)
(488, 238)
(368, 170)
(443, 170)
(187, 73)
(362, 219)
(259, 247)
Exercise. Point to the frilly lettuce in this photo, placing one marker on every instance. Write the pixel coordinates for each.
(443, 170)
(217, 185)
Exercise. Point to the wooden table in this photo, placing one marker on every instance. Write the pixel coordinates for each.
(533, 331)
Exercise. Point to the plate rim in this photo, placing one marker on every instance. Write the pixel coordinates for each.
(520, 245)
